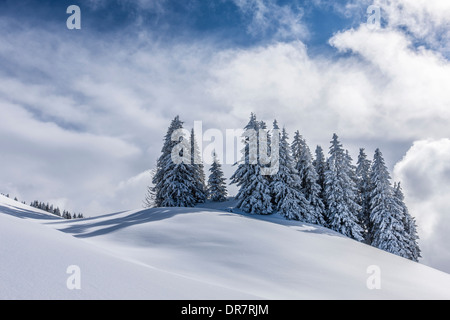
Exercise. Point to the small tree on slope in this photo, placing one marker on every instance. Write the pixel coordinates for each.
(340, 191)
(387, 230)
(217, 190)
(150, 196)
(409, 223)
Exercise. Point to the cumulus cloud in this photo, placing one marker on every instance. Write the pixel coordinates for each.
(426, 21)
(410, 93)
(425, 175)
(385, 86)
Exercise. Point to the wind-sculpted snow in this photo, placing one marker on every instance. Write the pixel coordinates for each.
(199, 253)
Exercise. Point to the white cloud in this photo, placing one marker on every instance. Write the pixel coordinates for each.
(411, 96)
(426, 21)
(117, 93)
(387, 88)
(133, 190)
(355, 9)
(267, 16)
(425, 175)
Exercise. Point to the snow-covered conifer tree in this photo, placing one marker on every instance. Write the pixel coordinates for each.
(254, 190)
(150, 196)
(364, 188)
(285, 185)
(320, 164)
(57, 212)
(217, 189)
(409, 224)
(197, 167)
(308, 179)
(340, 192)
(387, 230)
(174, 182)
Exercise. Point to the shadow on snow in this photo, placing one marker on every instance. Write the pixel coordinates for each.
(79, 227)
(27, 214)
(79, 230)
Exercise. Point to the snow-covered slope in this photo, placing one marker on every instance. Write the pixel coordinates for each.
(34, 261)
(20, 210)
(198, 253)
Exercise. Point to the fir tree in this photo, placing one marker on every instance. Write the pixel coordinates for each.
(409, 224)
(254, 188)
(320, 164)
(286, 186)
(174, 182)
(57, 212)
(308, 179)
(150, 196)
(298, 147)
(387, 230)
(351, 169)
(199, 190)
(364, 188)
(217, 190)
(340, 191)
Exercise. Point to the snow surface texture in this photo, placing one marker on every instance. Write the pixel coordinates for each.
(196, 253)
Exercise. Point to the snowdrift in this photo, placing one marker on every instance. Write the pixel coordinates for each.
(196, 253)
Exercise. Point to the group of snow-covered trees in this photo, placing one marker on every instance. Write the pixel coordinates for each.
(357, 201)
(55, 210)
(183, 184)
(50, 209)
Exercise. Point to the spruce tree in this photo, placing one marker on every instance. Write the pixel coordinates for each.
(150, 196)
(364, 188)
(254, 188)
(320, 165)
(217, 190)
(308, 179)
(286, 186)
(298, 147)
(57, 212)
(351, 168)
(387, 230)
(341, 193)
(199, 190)
(174, 182)
(409, 224)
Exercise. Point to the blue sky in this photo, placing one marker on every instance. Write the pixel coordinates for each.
(173, 20)
(84, 111)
